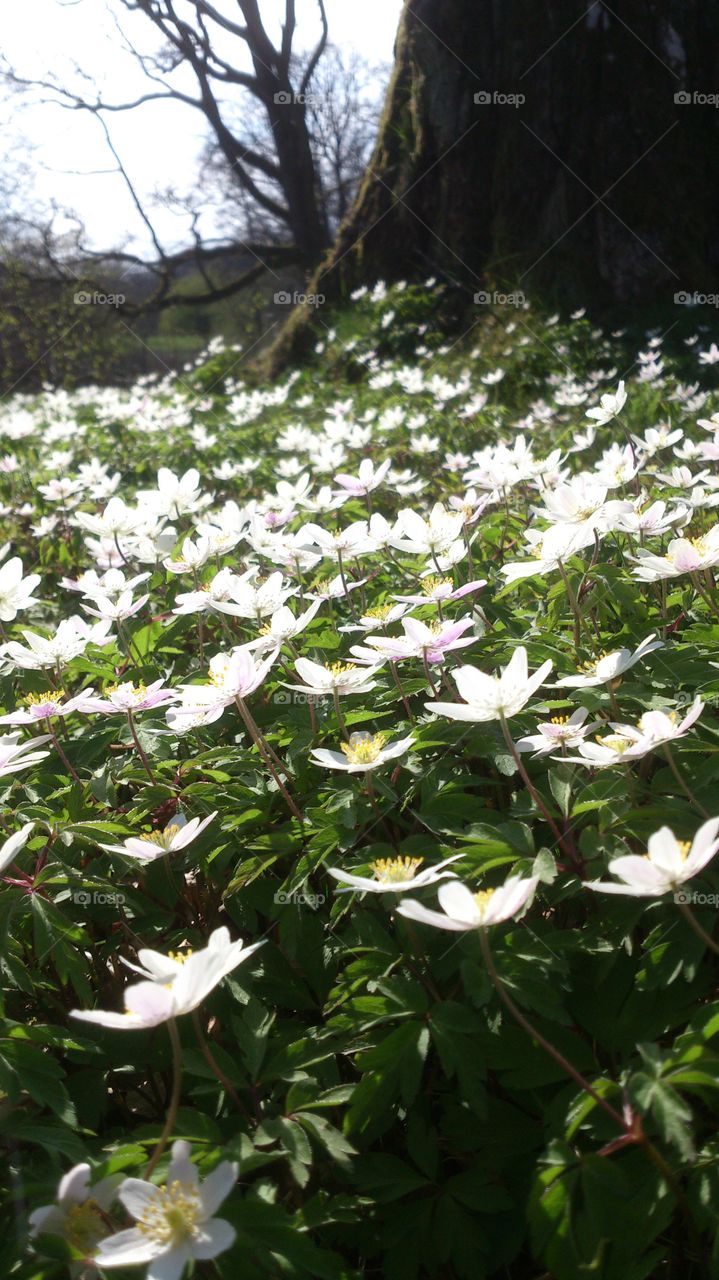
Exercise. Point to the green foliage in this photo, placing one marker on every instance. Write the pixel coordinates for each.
(389, 1115)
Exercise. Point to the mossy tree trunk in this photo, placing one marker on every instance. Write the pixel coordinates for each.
(576, 176)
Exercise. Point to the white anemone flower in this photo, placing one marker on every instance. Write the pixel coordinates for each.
(610, 666)
(629, 742)
(609, 406)
(192, 557)
(78, 1214)
(560, 731)
(175, 1223)
(14, 844)
(16, 755)
(175, 984)
(283, 626)
(155, 844)
(15, 590)
(71, 638)
(668, 863)
(117, 610)
(363, 752)
(683, 555)
(463, 910)
(493, 697)
(231, 675)
(256, 599)
(341, 678)
(394, 875)
(427, 537)
(368, 478)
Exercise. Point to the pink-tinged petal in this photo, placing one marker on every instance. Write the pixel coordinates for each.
(468, 588)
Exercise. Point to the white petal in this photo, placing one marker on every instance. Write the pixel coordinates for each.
(215, 1237)
(217, 1186)
(458, 901)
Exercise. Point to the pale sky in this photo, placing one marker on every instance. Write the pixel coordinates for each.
(159, 142)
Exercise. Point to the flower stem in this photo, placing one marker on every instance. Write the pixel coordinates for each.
(264, 751)
(61, 752)
(564, 840)
(214, 1065)
(174, 1099)
(574, 606)
(684, 786)
(139, 749)
(695, 925)
(401, 689)
(338, 712)
(531, 1031)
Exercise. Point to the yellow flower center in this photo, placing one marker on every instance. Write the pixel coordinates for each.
(162, 839)
(684, 849)
(396, 870)
(483, 898)
(84, 1226)
(218, 674)
(173, 1216)
(434, 583)
(133, 690)
(39, 699)
(363, 748)
(559, 720)
(180, 956)
(342, 668)
(380, 612)
(698, 544)
(615, 742)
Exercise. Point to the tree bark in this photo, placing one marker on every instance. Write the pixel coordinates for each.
(575, 175)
